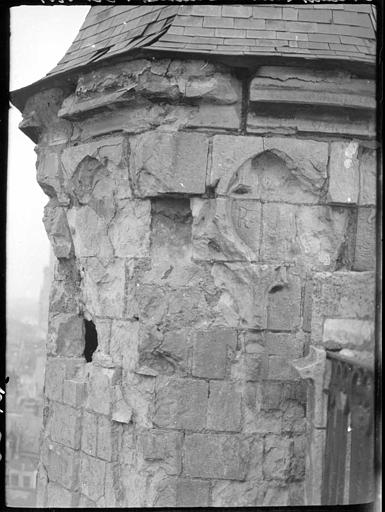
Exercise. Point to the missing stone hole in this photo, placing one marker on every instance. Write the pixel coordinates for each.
(242, 189)
(276, 288)
(91, 340)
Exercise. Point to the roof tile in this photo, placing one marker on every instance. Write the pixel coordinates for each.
(206, 10)
(268, 34)
(271, 12)
(237, 11)
(218, 22)
(249, 23)
(289, 13)
(230, 32)
(189, 21)
(351, 18)
(316, 31)
(292, 36)
(319, 16)
(199, 31)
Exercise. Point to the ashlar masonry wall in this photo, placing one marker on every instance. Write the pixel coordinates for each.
(210, 241)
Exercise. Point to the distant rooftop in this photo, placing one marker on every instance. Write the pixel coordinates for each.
(332, 31)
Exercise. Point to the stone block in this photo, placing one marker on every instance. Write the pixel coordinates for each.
(50, 175)
(278, 457)
(344, 173)
(56, 226)
(255, 367)
(62, 465)
(274, 168)
(74, 392)
(276, 496)
(91, 477)
(365, 251)
(297, 494)
(271, 398)
(224, 407)
(312, 235)
(177, 346)
(368, 180)
(322, 232)
(210, 352)
(113, 489)
(58, 497)
(108, 439)
(229, 152)
(280, 236)
(100, 388)
(262, 422)
(293, 121)
(307, 305)
(65, 335)
(243, 296)
(284, 303)
(164, 448)
(89, 233)
(254, 342)
(103, 329)
(181, 403)
(218, 88)
(110, 152)
(56, 371)
(103, 285)
(298, 469)
(230, 493)
(226, 230)
(89, 433)
(124, 343)
(129, 231)
(285, 345)
(293, 419)
(348, 333)
(217, 117)
(192, 493)
(307, 161)
(84, 502)
(280, 370)
(65, 425)
(215, 456)
(167, 162)
(341, 295)
(64, 293)
(162, 492)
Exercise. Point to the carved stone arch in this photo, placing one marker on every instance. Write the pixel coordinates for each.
(271, 175)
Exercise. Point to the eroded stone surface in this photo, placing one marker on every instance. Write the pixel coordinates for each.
(207, 261)
(344, 173)
(365, 253)
(168, 162)
(341, 295)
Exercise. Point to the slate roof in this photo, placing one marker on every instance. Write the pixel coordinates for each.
(329, 31)
(332, 31)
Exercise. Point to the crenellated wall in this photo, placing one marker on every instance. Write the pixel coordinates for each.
(212, 225)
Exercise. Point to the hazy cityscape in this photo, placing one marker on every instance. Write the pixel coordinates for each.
(28, 249)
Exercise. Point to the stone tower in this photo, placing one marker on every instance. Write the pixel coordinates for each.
(211, 179)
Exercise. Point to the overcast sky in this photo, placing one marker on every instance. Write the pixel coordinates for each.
(40, 36)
